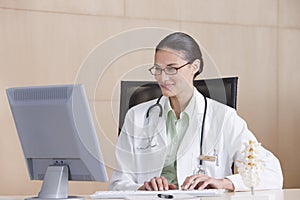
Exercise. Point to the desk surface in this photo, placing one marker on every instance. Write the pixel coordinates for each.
(286, 194)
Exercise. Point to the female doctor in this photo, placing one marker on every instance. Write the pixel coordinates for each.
(162, 140)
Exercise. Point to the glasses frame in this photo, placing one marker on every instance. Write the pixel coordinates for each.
(156, 67)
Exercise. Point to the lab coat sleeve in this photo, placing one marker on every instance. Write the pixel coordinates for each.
(271, 176)
(123, 177)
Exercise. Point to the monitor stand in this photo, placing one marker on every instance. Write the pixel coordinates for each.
(55, 185)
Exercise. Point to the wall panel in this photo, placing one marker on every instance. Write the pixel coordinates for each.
(288, 104)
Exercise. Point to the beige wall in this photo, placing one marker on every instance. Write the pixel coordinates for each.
(45, 42)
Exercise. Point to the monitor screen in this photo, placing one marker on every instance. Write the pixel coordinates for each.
(55, 128)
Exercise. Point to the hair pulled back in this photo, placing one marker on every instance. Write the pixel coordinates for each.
(184, 44)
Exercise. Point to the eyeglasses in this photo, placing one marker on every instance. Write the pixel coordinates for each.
(157, 70)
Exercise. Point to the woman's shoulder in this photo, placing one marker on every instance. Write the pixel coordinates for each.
(216, 109)
(216, 105)
(220, 110)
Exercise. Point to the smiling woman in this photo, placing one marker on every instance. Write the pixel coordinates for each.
(186, 124)
(178, 52)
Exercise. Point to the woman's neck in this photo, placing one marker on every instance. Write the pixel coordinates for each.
(180, 102)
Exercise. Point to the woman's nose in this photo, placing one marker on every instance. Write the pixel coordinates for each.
(162, 77)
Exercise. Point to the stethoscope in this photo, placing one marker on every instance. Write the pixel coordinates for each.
(200, 169)
(150, 139)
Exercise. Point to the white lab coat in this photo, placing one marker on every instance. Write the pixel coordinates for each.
(225, 132)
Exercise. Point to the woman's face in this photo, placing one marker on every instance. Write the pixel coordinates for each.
(177, 84)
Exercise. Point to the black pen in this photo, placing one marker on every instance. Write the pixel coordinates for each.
(165, 196)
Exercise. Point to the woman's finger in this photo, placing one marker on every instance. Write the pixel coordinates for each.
(153, 184)
(159, 183)
(165, 183)
(147, 186)
(190, 180)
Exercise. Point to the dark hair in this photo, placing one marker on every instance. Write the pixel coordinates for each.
(185, 44)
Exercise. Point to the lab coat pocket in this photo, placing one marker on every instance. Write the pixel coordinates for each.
(150, 155)
(146, 145)
(213, 168)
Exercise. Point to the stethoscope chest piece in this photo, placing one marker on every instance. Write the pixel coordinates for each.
(199, 170)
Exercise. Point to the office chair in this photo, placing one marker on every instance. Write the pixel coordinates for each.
(223, 90)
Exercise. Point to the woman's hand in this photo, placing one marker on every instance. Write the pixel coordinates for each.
(157, 183)
(202, 181)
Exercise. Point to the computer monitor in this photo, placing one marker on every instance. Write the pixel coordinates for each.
(58, 137)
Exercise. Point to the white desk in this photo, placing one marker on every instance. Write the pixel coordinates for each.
(286, 194)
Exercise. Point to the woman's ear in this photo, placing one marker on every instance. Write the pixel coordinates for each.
(196, 65)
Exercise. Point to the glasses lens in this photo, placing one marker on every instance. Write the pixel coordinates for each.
(170, 70)
(155, 70)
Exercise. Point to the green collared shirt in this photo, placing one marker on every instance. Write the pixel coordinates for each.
(176, 129)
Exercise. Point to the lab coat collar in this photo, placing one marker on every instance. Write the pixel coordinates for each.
(195, 123)
(165, 102)
(193, 132)
(199, 98)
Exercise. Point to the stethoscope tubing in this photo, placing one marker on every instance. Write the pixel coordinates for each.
(202, 128)
(154, 105)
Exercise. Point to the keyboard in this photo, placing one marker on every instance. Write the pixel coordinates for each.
(112, 194)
